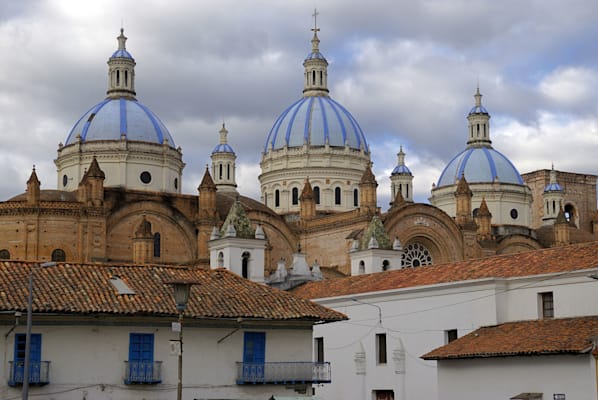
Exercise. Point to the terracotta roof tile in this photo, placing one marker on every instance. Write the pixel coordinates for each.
(544, 261)
(86, 288)
(523, 338)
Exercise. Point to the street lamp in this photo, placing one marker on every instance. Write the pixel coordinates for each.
(372, 305)
(182, 289)
(25, 392)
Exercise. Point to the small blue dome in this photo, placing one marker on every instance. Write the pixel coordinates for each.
(315, 55)
(223, 148)
(401, 169)
(112, 118)
(480, 165)
(122, 54)
(553, 187)
(478, 110)
(316, 120)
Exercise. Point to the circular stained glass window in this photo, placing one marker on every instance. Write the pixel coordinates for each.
(145, 177)
(415, 255)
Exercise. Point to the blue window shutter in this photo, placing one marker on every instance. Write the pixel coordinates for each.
(141, 347)
(35, 356)
(254, 350)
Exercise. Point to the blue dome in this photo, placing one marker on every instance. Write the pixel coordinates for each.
(480, 165)
(122, 54)
(553, 187)
(478, 110)
(223, 148)
(315, 55)
(401, 169)
(111, 118)
(316, 120)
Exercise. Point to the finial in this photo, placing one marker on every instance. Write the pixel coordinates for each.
(478, 97)
(122, 39)
(34, 167)
(315, 15)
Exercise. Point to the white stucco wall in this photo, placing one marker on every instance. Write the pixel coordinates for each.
(503, 378)
(88, 362)
(418, 318)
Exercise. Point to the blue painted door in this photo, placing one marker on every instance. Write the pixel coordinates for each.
(254, 355)
(35, 357)
(141, 358)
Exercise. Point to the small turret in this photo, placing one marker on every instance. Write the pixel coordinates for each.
(401, 179)
(316, 67)
(561, 229)
(223, 164)
(143, 242)
(478, 124)
(95, 179)
(552, 197)
(33, 188)
(121, 71)
(308, 202)
(367, 192)
(207, 197)
(484, 221)
(463, 196)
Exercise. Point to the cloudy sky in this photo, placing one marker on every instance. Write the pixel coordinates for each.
(405, 69)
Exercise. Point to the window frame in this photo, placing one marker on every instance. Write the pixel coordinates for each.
(381, 349)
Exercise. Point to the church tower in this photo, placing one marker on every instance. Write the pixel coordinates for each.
(401, 179)
(553, 199)
(223, 164)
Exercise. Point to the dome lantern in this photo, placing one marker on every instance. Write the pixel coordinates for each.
(316, 67)
(121, 71)
(478, 123)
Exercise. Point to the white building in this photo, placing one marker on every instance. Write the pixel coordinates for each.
(105, 332)
(397, 316)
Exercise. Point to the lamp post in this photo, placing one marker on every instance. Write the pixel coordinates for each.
(182, 289)
(27, 364)
(372, 305)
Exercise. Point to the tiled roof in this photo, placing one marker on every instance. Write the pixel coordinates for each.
(523, 338)
(544, 261)
(87, 288)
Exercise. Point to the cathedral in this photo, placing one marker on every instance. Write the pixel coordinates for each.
(119, 198)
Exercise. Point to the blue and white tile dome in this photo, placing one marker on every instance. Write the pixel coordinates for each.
(114, 117)
(401, 169)
(317, 121)
(480, 165)
(223, 148)
(553, 187)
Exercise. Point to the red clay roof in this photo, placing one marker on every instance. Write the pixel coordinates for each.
(523, 338)
(544, 261)
(87, 288)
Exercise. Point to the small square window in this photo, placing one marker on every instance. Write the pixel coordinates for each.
(450, 335)
(546, 304)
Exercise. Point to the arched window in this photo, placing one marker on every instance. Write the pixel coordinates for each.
(4, 254)
(355, 197)
(228, 171)
(570, 213)
(317, 194)
(126, 78)
(407, 190)
(58, 255)
(337, 196)
(245, 264)
(554, 207)
(220, 260)
(385, 265)
(117, 78)
(314, 78)
(321, 77)
(295, 196)
(156, 244)
(361, 270)
(277, 198)
(219, 171)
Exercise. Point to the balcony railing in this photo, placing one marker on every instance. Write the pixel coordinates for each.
(283, 372)
(39, 373)
(143, 372)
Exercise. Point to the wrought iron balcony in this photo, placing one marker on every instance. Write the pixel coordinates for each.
(143, 372)
(283, 372)
(39, 373)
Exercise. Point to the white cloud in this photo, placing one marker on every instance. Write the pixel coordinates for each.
(570, 85)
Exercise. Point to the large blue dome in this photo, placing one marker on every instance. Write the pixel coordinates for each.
(317, 121)
(112, 118)
(480, 165)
